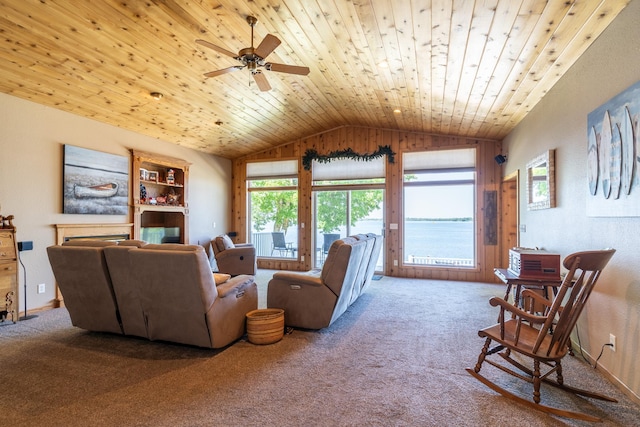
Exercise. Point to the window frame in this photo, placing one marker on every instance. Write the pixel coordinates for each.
(287, 174)
(441, 183)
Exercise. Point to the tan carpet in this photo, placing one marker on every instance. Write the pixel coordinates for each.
(395, 358)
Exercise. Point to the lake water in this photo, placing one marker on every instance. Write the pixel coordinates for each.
(444, 239)
(441, 239)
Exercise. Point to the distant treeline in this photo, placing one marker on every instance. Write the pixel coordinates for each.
(467, 219)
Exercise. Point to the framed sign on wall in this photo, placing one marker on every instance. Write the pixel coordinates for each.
(612, 156)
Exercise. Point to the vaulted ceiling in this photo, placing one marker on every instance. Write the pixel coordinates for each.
(458, 67)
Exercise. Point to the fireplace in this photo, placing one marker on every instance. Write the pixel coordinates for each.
(66, 232)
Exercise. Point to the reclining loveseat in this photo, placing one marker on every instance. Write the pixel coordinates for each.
(160, 292)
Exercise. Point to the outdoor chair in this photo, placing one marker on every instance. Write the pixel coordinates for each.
(280, 245)
(327, 241)
(544, 337)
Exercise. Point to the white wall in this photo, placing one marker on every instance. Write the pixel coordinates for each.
(31, 152)
(610, 65)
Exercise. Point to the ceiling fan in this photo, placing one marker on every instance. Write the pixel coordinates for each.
(254, 59)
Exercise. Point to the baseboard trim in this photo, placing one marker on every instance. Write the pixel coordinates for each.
(46, 307)
(612, 378)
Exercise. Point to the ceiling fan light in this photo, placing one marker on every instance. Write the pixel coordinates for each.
(156, 95)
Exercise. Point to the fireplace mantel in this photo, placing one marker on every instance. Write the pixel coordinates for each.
(65, 232)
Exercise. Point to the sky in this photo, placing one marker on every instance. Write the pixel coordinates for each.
(439, 202)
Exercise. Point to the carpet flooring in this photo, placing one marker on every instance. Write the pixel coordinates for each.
(395, 358)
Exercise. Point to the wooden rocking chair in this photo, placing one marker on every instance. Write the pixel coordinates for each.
(543, 336)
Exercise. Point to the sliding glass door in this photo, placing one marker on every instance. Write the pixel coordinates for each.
(340, 213)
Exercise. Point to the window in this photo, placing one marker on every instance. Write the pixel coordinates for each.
(439, 208)
(273, 208)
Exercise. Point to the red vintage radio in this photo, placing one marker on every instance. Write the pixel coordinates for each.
(534, 264)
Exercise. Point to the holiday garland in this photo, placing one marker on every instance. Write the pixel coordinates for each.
(310, 155)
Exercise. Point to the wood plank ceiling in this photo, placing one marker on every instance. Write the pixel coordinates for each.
(458, 67)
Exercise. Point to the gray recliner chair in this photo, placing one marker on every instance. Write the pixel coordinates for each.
(234, 259)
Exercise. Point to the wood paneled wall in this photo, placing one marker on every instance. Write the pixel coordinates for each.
(367, 140)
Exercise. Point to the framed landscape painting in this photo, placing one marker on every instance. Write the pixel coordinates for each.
(95, 182)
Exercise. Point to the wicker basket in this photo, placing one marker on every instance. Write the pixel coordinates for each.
(265, 326)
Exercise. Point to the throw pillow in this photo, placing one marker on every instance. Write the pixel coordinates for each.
(224, 242)
(228, 243)
(220, 278)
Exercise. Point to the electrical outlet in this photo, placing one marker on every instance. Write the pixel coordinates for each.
(612, 341)
(41, 288)
(301, 258)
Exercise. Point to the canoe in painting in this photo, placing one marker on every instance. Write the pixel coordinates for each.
(628, 154)
(103, 190)
(615, 169)
(605, 155)
(592, 162)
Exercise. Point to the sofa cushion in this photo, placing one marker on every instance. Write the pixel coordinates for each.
(85, 283)
(125, 288)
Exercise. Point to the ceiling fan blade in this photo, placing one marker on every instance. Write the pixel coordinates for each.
(261, 81)
(216, 48)
(267, 46)
(223, 71)
(291, 69)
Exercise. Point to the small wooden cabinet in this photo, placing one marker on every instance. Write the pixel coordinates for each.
(160, 198)
(8, 270)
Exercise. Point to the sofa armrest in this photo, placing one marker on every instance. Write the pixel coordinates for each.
(238, 251)
(310, 278)
(235, 286)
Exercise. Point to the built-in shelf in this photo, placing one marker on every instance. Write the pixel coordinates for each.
(160, 197)
(160, 208)
(145, 182)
